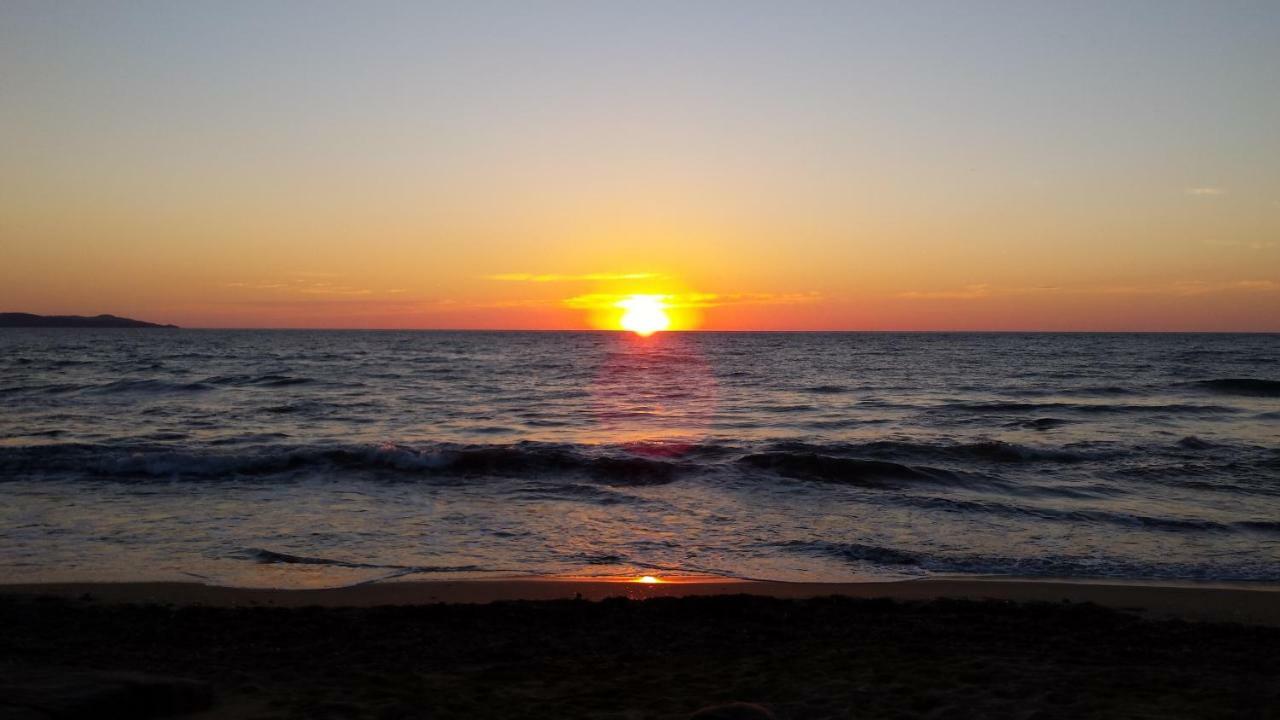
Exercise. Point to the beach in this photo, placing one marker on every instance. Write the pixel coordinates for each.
(589, 648)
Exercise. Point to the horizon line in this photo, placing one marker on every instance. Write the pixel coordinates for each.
(702, 330)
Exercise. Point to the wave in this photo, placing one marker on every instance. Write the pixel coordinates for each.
(270, 557)
(1085, 391)
(1090, 516)
(596, 494)
(1045, 566)
(1261, 526)
(796, 408)
(43, 388)
(290, 409)
(987, 451)
(845, 471)
(1043, 423)
(871, 464)
(1002, 406)
(1013, 453)
(162, 462)
(826, 389)
(154, 386)
(879, 463)
(148, 386)
(1249, 387)
(268, 380)
(522, 459)
(853, 552)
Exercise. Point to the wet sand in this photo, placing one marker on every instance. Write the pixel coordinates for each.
(924, 649)
(1251, 604)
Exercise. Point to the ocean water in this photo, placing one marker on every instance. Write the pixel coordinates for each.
(311, 459)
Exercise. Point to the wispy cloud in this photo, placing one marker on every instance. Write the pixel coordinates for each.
(315, 274)
(978, 291)
(695, 300)
(258, 286)
(1265, 285)
(1188, 288)
(718, 300)
(1206, 191)
(379, 304)
(1176, 288)
(587, 277)
(334, 290)
(1203, 287)
(308, 283)
(968, 292)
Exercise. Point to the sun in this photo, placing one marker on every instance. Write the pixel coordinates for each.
(645, 314)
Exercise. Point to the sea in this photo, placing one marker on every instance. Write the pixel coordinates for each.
(300, 458)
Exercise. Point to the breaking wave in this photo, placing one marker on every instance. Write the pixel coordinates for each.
(162, 462)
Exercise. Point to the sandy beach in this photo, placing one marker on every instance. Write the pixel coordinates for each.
(591, 648)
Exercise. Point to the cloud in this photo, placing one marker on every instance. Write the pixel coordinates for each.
(306, 284)
(258, 286)
(977, 292)
(1179, 288)
(315, 274)
(595, 301)
(1206, 191)
(1188, 288)
(509, 304)
(338, 302)
(588, 277)
(334, 290)
(1264, 285)
(719, 300)
(968, 292)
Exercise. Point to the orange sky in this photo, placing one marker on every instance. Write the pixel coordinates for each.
(502, 167)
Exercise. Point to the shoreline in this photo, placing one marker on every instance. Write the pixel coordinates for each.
(1211, 602)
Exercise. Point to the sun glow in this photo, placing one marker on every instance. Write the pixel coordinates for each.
(645, 314)
(648, 580)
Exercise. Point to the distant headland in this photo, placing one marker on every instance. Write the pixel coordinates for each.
(28, 320)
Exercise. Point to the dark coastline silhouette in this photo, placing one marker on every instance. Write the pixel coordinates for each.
(29, 320)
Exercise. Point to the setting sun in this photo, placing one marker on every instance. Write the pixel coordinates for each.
(645, 314)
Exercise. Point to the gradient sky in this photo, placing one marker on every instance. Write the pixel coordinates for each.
(788, 165)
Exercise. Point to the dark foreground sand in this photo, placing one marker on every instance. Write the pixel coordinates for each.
(353, 653)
